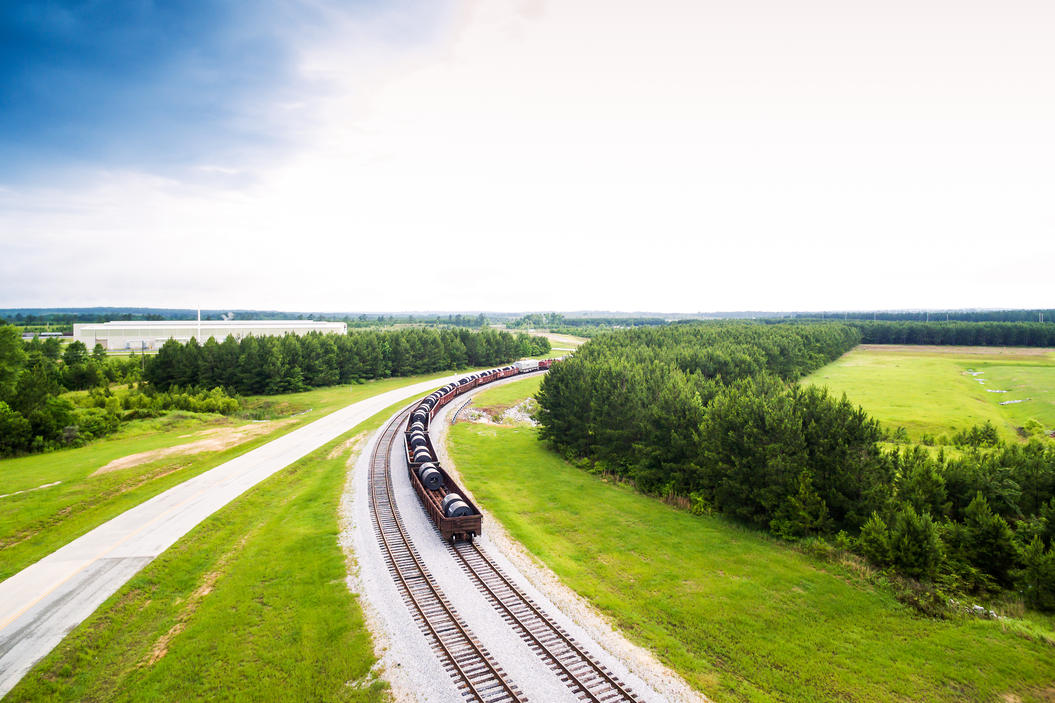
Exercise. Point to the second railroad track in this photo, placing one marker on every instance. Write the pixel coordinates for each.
(474, 671)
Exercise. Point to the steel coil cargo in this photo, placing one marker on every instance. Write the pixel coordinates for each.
(457, 508)
(454, 515)
(430, 477)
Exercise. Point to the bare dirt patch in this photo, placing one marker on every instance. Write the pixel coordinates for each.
(214, 440)
(208, 583)
(1004, 352)
(504, 415)
(353, 445)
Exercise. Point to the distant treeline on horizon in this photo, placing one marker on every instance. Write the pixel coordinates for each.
(67, 316)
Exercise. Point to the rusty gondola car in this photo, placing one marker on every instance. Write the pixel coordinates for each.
(452, 528)
(451, 511)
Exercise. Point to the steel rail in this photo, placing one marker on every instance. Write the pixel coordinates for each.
(612, 688)
(492, 675)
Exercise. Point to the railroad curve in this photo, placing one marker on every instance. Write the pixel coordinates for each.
(532, 646)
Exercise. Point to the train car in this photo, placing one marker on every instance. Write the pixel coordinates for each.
(526, 365)
(545, 364)
(454, 515)
(467, 384)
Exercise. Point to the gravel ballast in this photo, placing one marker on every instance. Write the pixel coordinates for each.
(407, 661)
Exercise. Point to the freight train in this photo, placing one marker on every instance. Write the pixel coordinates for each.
(446, 504)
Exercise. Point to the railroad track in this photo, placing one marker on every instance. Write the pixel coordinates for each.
(474, 671)
(580, 672)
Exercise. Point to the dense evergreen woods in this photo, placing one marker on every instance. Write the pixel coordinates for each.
(1034, 315)
(38, 413)
(992, 334)
(293, 363)
(709, 412)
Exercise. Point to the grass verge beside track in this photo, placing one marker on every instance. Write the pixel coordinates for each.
(250, 605)
(37, 522)
(740, 616)
(508, 394)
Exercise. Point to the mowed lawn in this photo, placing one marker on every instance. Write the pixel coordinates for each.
(741, 616)
(37, 517)
(251, 605)
(939, 390)
(509, 394)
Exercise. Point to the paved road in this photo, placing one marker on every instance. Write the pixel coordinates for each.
(45, 601)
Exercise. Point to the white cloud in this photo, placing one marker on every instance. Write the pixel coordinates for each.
(568, 155)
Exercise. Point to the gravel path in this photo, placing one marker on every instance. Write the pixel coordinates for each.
(406, 660)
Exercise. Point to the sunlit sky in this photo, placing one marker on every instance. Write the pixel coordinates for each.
(528, 155)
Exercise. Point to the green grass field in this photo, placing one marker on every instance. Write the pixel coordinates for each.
(37, 522)
(931, 390)
(509, 394)
(741, 616)
(250, 605)
(560, 343)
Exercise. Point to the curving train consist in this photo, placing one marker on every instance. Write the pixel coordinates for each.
(450, 510)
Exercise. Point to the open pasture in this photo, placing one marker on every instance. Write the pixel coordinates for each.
(939, 390)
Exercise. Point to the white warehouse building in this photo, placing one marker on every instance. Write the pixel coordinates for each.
(151, 335)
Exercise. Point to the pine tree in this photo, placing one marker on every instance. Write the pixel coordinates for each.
(915, 547)
(874, 541)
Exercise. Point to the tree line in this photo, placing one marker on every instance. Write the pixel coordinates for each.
(268, 365)
(991, 334)
(35, 413)
(711, 413)
(555, 319)
(38, 412)
(1033, 315)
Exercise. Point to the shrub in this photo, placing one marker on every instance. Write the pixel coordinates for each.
(95, 422)
(15, 431)
(977, 436)
(1033, 428)
(874, 541)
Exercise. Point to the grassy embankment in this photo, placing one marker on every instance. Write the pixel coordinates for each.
(739, 615)
(250, 605)
(39, 520)
(931, 390)
(495, 401)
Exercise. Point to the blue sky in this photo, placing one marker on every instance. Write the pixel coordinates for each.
(671, 155)
(149, 85)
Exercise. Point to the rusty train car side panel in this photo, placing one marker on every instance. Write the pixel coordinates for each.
(452, 529)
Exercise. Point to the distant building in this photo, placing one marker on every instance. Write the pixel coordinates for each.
(151, 335)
